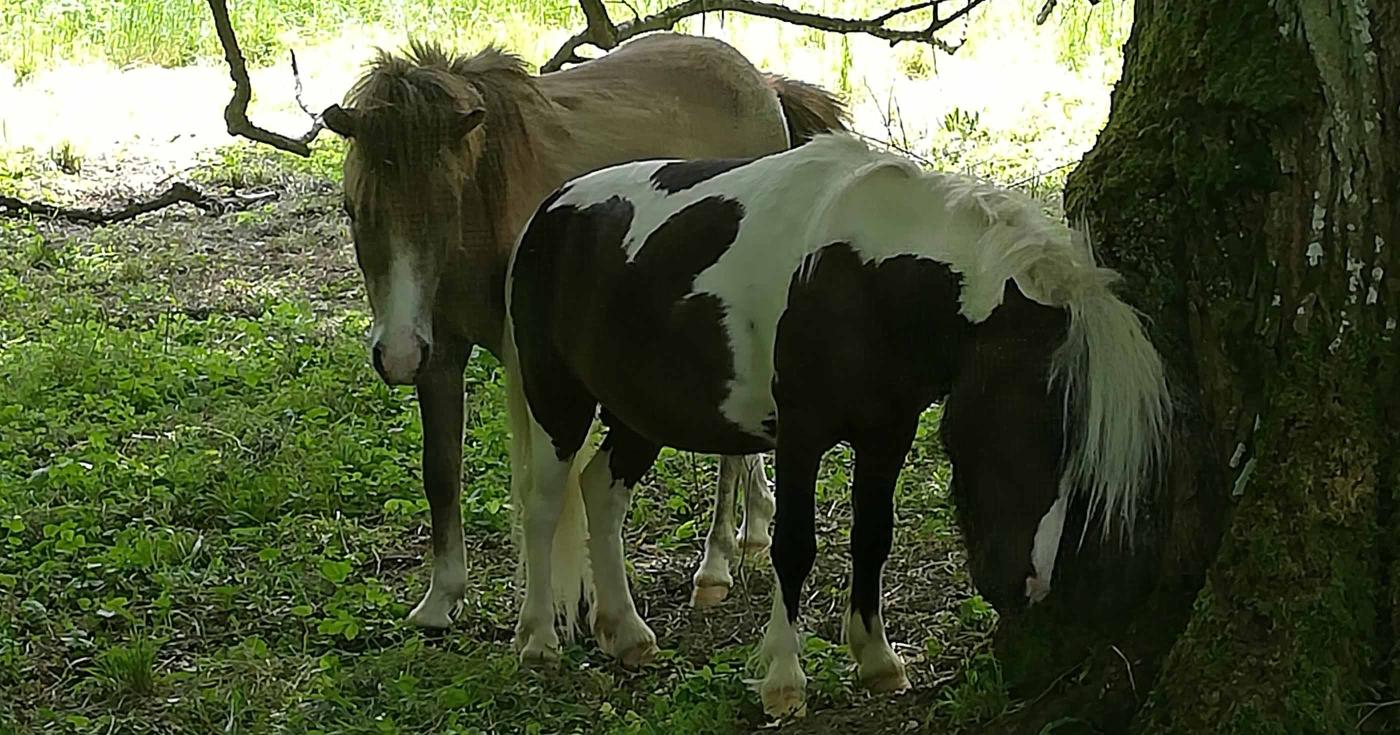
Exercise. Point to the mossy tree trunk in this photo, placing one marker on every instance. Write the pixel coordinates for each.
(1246, 185)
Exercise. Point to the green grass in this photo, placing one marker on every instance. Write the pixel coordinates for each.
(211, 516)
(34, 34)
(178, 32)
(210, 508)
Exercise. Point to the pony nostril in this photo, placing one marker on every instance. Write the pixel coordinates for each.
(377, 355)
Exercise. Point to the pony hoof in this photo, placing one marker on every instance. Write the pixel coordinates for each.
(886, 682)
(538, 657)
(628, 640)
(431, 615)
(784, 701)
(538, 646)
(639, 655)
(708, 595)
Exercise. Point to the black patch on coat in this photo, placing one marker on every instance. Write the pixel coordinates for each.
(681, 175)
(630, 454)
(670, 345)
(862, 349)
(558, 400)
(886, 334)
(594, 328)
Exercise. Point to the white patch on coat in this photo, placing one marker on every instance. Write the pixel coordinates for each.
(401, 317)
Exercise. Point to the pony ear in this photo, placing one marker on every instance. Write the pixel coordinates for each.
(467, 122)
(341, 121)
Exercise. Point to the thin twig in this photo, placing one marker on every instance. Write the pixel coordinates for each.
(1132, 681)
(667, 19)
(636, 14)
(236, 113)
(1375, 707)
(1040, 174)
(895, 147)
(884, 17)
(316, 122)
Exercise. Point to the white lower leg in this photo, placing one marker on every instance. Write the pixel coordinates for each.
(713, 581)
(535, 636)
(449, 582)
(784, 686)
(879, 667)
(758, 505)
(620, 631)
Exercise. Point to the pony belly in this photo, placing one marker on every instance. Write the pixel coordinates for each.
(666, 418)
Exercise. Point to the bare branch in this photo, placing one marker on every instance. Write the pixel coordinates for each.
(1049, 7)
(601, 31)
(236, 113)
(316, 122)
(886, 17)
(178, 192)
(666, 19)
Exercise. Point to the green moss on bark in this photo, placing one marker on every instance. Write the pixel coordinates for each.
(1280, 638)
(1201, 190)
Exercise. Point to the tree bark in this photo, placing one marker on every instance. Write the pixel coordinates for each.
(1245, 187)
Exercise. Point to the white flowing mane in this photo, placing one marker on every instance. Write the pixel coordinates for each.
(1117, 406)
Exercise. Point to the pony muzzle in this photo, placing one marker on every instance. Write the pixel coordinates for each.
(400, 358)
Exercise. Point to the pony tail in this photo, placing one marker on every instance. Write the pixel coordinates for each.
(808, 109)
(1117, 406)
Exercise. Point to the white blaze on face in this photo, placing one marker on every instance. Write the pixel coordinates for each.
(402, 322)
(1045, 549)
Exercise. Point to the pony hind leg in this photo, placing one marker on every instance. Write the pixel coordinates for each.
(713, 581)
(607, 493)
(540, 484)
(535, 637)
(872, 498)
(783, 688)
(759, 505)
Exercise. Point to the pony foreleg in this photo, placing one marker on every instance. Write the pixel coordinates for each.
(713, 581)
(620, 631)
(872, 499)
(440, 403)
(758, 505)
(783, 689)
(535, 637)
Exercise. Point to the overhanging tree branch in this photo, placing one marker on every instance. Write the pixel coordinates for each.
(603, 33)
(236, 113)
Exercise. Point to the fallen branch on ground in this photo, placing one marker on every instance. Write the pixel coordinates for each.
(604, 34)
(177, 193)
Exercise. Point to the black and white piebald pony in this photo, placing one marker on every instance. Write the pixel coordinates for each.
(829, 293)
